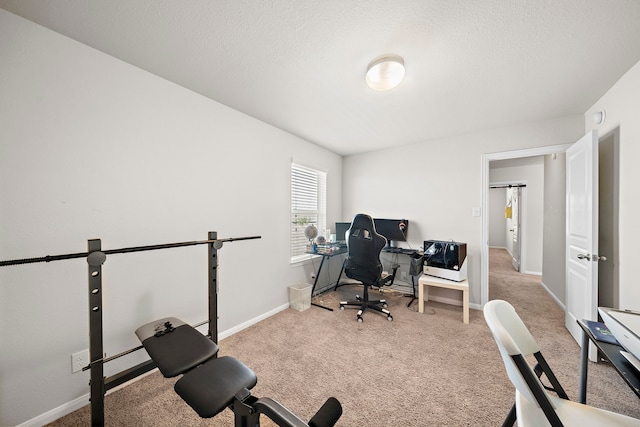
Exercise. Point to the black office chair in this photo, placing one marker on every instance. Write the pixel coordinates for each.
(363, 264)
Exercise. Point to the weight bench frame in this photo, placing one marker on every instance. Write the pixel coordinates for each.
(98, 384)
(246, 407)
(209, 384)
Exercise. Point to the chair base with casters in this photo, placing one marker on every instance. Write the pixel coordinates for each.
(534, 406)
(363, 264)
(364, 302)
(209, 384)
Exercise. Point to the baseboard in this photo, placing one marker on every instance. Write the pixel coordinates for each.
(553, 296)
(55, 413)
(75, 404)
(455, 302)
(224, 334)
(446, 300)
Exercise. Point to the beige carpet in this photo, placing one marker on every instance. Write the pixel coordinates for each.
(418, 370)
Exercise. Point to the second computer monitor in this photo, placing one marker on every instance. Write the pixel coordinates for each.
(395, 230)
(341, 231)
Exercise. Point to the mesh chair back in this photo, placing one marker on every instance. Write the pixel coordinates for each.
(364, 245)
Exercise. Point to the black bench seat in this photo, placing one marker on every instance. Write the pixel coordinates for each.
(209, 384)
(175, 346)
(211, 387)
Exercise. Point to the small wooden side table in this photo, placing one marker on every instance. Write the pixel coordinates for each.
(423, 292)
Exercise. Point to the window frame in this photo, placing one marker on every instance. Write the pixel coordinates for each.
(308, 187)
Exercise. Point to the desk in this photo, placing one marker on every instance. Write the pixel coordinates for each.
(611, 352)
(394, 268)
(324, 256)
(423, 292)
(416, 265)
(404, 251)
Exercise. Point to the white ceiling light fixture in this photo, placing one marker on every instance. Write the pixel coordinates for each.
(385, 72)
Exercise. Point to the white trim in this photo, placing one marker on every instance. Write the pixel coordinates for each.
(553, 296)
(302, 259)
(484, 247)
(309, 165)
(451, 301)
(60, 411)
(445, 300)
(224, 334)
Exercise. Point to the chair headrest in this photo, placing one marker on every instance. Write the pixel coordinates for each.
(363, 221)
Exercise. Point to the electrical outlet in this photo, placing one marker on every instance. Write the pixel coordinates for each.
(313, 276)
(79, 360)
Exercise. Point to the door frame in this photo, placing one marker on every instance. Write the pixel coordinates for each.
(486, 158)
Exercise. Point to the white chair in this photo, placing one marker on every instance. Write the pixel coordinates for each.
(534, 406)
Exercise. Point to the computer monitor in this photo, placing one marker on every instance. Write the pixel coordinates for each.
(341, 231)
(395, 230)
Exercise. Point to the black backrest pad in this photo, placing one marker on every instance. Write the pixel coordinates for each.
(210, 388)
(178, 351)
(364, 246)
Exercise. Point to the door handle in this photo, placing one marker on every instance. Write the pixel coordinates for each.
(594, 257)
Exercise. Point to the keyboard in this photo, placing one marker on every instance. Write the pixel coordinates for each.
(404, 251)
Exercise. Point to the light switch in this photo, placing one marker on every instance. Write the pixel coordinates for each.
(475, 211)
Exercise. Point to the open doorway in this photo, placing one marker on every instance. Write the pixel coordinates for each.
(506, 214)
(554, 214)
(509, 158)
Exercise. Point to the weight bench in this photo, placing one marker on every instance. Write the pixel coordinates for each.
(209, 384)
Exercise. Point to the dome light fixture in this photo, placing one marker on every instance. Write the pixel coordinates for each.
(385, 72)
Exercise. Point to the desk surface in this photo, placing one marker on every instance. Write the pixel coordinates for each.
(404, 251)
(328, 251)
(612, 353)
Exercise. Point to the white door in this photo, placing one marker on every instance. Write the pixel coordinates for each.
(582, 233)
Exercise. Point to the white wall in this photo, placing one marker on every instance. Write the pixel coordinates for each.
(91, 147)
(497, 221)
(435, 184)
(554, 256)
(531, 172)
(622, 105)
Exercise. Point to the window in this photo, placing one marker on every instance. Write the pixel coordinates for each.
(308, 206)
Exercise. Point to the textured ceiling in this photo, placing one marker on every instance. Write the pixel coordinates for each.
(299, 64)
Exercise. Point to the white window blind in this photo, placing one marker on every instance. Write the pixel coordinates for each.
(308, 206)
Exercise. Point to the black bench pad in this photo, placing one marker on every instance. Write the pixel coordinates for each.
(210, 388)
(177, 351)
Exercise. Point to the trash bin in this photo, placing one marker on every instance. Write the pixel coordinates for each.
(300, 296)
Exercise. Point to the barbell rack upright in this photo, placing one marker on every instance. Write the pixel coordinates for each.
(95, 256)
